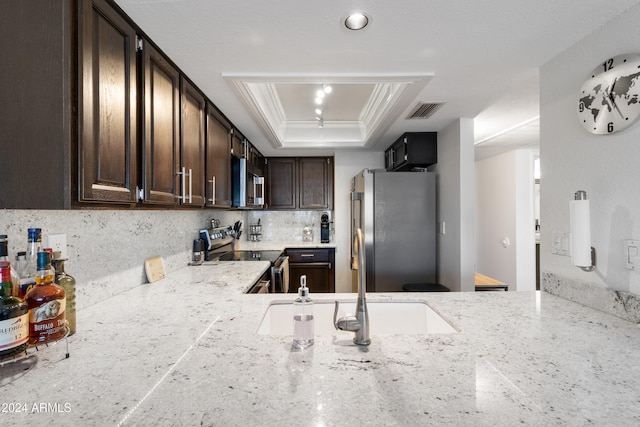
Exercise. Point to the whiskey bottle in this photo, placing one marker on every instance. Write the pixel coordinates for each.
(4, 256)
(14, 316)
(68, 283)
(47, 305)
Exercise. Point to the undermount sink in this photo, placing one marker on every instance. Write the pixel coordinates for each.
(385, 318)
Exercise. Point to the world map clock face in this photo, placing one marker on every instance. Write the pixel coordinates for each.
(609, 101)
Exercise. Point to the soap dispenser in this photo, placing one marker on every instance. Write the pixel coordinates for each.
(303, 330)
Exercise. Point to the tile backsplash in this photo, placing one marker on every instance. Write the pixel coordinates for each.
(286, 225)
(106, 249)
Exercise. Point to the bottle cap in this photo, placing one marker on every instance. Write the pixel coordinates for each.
(35, 234)
(44, 259)
(4, 247)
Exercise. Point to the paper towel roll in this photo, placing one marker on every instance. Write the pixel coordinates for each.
(580, 233)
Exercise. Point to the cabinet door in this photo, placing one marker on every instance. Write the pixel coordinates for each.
(190, 177)
(315, 182)
(237, 144)
(107, 125)
(400, 152)
(218, 164)
(319, 277)
(282, 189)
(160, 134)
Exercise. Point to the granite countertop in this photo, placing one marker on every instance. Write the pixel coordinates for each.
(184, 351)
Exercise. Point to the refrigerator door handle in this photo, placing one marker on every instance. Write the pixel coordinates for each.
(356, 196)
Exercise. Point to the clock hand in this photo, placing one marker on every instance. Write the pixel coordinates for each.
(612, 101)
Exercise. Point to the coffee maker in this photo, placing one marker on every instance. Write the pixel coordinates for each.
(325, 229)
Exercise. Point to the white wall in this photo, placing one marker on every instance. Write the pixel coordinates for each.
(456, 206)
(505, 210)
(607, 167)
(347, 165)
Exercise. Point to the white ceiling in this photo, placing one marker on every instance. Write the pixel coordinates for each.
(260, 61)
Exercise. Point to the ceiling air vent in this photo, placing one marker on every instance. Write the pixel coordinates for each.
(424, 110)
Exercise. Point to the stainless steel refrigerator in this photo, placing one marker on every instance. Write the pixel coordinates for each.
(397, 213)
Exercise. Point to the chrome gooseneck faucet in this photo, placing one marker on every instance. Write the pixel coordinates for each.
(360, 323)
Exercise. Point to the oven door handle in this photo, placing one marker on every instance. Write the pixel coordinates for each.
(280, 275)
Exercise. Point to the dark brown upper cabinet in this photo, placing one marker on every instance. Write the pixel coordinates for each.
(300, 183)
(107, 107)
(190, 176)
(70, 121)
(218, 163)
(161, 130)
(93, 121)
(38, 130)
(315, 176)
(282, 185)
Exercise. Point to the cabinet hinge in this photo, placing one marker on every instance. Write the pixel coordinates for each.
(139, 44)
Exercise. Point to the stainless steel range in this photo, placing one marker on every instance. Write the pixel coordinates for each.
(219, 247)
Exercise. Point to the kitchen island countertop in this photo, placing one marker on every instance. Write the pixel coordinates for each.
(184, 351)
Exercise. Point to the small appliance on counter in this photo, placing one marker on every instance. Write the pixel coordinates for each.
(325, 228)
(307, 233)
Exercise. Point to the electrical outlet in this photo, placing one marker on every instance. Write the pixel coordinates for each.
(57, 242)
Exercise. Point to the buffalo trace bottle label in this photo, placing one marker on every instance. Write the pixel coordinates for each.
(46, 305)
(14, 316)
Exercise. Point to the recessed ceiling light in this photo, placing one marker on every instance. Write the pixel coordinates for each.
(356, 21)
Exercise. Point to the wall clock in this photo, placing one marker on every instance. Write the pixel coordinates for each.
(609, 100)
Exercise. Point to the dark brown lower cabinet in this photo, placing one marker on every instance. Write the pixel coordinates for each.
(317, 264)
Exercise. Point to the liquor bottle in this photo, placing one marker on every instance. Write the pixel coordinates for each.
(68, 283)
(14, 316)
(46, 305)
(28, 279)
(34, 245)
(4, 256)
(21, 268)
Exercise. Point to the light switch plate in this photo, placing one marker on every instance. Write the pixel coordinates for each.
(560, 244)
(632, 254)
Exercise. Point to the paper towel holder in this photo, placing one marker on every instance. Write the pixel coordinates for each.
(592, 267)
(582, 195)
